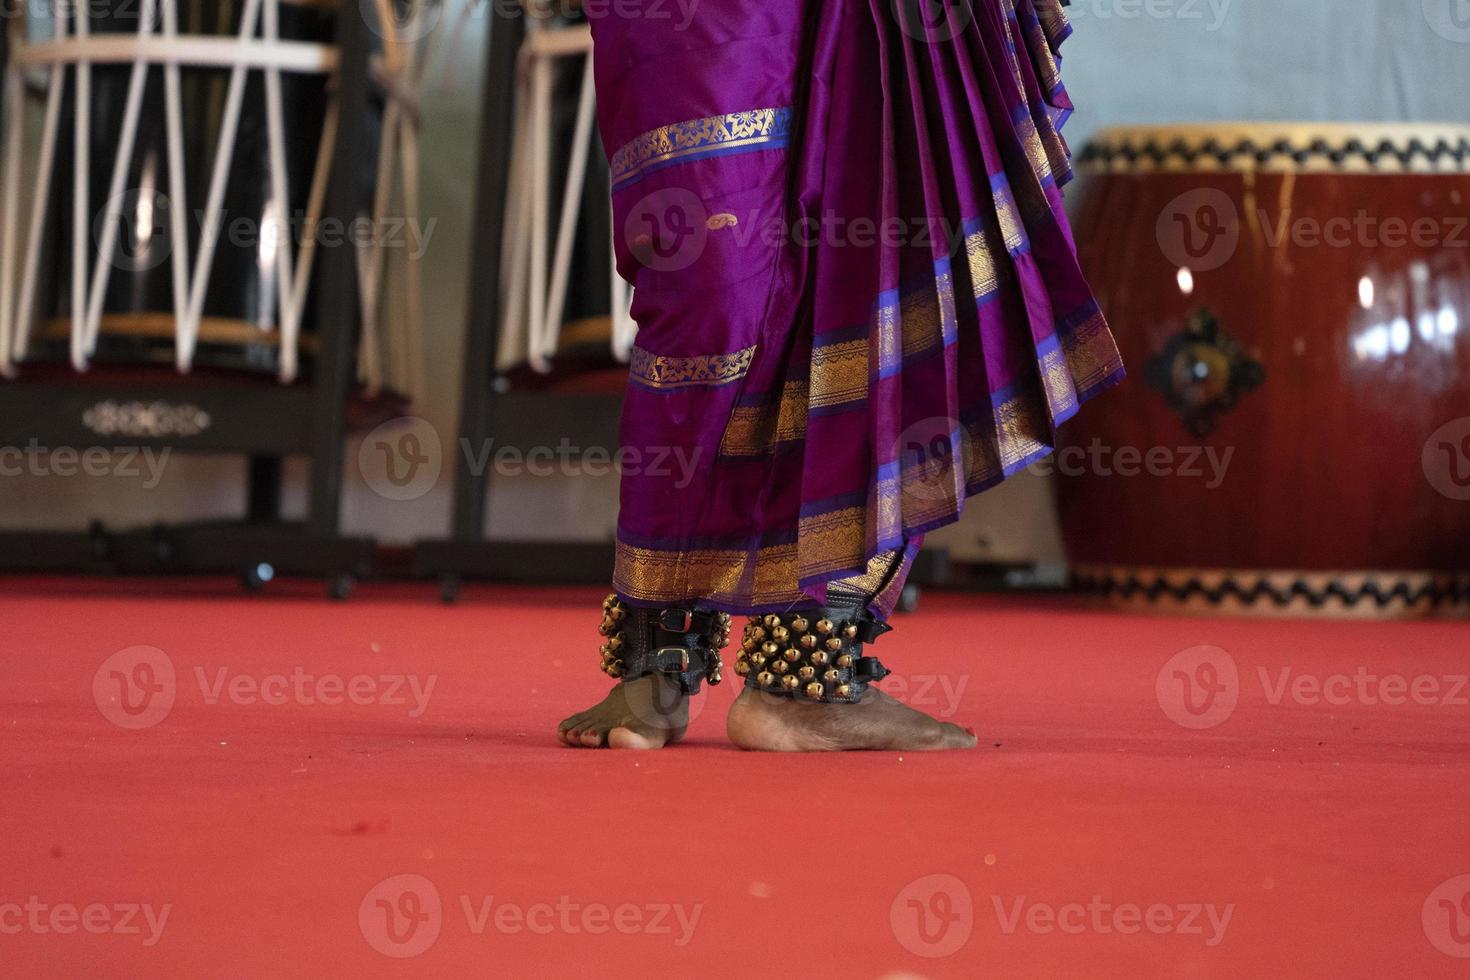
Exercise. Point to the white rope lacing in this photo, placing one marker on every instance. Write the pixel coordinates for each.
(401, 71)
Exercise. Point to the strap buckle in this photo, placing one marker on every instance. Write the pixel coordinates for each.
(676, 620)
(681, 652)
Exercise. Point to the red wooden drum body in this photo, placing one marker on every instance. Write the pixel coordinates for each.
(1293, 305)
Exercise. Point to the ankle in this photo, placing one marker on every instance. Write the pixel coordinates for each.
(813, 654)
(680, 643)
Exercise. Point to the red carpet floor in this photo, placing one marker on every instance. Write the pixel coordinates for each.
(260, 828)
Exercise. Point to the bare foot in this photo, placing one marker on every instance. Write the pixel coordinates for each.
(771, 723)
(648, 713)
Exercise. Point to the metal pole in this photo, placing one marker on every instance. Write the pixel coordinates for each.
(482, 328)
(333, 371)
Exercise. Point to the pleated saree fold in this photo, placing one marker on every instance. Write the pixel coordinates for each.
(857, 293)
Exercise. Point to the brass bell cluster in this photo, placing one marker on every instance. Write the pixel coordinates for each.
(614, 613)
(791, 653)
(614, 619)
(718, 638)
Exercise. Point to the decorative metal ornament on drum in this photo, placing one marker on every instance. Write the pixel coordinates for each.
(172, 207)
(1293, 305)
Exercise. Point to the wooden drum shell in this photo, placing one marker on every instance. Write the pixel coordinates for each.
(1325, 351)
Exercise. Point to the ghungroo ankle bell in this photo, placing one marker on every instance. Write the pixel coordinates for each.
(814, 654)
(681, 643)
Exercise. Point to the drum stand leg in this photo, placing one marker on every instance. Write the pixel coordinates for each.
(263, 424)
(467, 553)
(332, 377)
(264, 502)
(483, 329)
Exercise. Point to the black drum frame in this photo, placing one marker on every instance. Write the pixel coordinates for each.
(262, 421)
(513, 417)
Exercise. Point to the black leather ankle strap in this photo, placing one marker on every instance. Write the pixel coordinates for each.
(814, 653)
(681, 643)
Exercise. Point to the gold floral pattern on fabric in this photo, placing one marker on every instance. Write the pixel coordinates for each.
(1053, 24)
(916, 324)
(1036, 37)
(985, 276)
(1009, 217)
(1047, 71)
(1023, 428)
(934, 488)
(1056, 379)
(768, 578)
(983, 460)
(839, 373)
(1053, 18)
(1091, 353)
(728, 131)
(1036, 206)
(833, 542)
(756, 430)
(888, 596)
(1013, 27)
(870, 583)
(1036, 153)
(928, 490)
(664, 372)
(720, 575)
(837, 541)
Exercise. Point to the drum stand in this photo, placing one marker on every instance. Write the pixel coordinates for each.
(132, 409)
(486, 408)
(6, 16)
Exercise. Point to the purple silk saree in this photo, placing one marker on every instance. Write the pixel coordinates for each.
(857, 294)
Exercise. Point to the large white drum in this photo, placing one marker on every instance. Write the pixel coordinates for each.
(171, 208)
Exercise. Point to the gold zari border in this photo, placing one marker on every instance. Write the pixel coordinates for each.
(1091, 352)
(650, 575)
(727, 131)
(755, 430)
(663, 372)
(839, 373)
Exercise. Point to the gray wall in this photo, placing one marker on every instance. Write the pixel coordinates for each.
(1180, 60)
(1130, 61)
